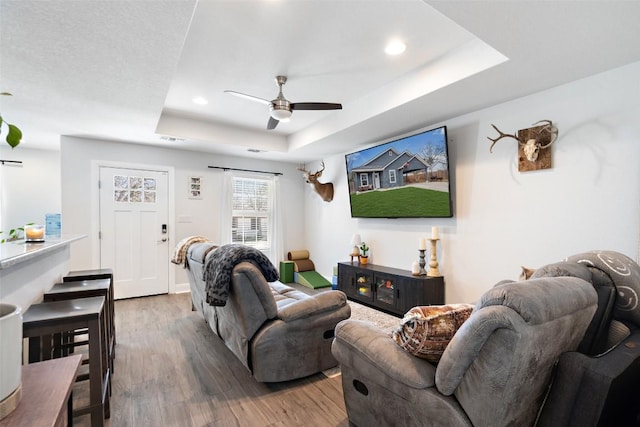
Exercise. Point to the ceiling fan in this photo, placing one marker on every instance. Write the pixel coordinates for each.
(281, 109)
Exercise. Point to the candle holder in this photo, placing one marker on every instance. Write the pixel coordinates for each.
(422, 262)
(433, 261)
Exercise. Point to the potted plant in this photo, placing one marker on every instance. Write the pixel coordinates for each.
(364, 257)
(14, 234)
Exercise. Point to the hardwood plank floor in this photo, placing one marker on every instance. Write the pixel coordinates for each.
(171, 370)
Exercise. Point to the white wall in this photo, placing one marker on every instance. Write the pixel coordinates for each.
(503, 219)
(28, 191)
(79, 194)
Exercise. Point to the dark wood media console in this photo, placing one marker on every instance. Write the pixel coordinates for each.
(391, 290)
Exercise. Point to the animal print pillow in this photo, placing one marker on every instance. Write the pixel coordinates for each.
(425, 331)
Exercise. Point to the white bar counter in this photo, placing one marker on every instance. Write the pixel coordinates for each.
(28, 270)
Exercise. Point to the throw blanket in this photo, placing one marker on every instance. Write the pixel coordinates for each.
(624, 273)
(219, 266)
(180, 251)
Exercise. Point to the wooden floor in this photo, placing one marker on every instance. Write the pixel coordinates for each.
(171, 370)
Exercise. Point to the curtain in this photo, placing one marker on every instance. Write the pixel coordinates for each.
(277, 224)
(226, 204)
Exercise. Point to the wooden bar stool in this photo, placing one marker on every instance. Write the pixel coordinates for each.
(100, 274)
(40, 322)
(85, 289)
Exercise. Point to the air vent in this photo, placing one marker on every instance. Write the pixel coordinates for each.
(171, 138)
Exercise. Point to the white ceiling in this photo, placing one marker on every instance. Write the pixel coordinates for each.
(128, 70)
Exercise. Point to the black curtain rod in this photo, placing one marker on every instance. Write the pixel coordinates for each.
(244, 170)
(10, 161)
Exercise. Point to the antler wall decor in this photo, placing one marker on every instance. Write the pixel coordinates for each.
(325, 190)
(533, 144)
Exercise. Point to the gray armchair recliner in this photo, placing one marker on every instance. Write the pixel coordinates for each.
(496, 370)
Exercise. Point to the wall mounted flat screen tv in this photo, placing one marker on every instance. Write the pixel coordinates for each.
(403, 178)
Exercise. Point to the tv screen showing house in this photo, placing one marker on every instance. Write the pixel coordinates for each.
(403, 178)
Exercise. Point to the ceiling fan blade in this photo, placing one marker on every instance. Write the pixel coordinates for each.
(315, 106)
(249, 97)
(272, 123)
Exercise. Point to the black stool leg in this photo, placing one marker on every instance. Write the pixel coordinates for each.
(95, 373)
(34, 350)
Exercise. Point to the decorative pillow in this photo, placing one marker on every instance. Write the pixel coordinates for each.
(425, 331)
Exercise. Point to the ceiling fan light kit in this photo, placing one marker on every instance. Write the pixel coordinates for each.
(281, 109)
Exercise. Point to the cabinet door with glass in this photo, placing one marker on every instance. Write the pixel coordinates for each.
(386, 290)
(364, 288)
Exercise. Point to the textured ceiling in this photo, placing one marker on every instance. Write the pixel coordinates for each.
(128, 70)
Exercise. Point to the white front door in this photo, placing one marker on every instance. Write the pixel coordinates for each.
(134, 216)
(376, 180)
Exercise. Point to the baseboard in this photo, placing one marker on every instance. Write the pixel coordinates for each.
(181, 288)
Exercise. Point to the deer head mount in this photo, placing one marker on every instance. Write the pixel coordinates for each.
(532, 144)
(324, 190)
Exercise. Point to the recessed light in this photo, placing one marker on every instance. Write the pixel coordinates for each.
(200, 100)
(395, 47)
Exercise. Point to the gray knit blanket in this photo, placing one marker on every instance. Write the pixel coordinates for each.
(625, 274)
(219, 267)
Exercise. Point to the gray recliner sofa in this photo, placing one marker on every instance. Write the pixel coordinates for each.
(495, 371)
(277, 332)
(596, 383)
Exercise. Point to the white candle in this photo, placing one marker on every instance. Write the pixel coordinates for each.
(415, 268)
(34, 232)
(435, 233)
(423, 244)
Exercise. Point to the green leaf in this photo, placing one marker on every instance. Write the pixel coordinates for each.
(0, 124)
(6, 93)
(14, 136)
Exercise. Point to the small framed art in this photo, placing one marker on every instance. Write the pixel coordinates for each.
(195, 187)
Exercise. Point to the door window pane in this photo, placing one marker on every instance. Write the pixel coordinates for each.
(129, 189)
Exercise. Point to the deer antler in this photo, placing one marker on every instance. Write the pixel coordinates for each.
(317, 173)
(549, 127)
(502, 135)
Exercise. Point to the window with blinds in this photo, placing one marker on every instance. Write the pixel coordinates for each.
(251, 213)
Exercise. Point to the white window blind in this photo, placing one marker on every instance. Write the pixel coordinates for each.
(251, 212)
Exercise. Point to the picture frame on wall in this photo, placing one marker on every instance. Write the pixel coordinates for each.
(195, 187)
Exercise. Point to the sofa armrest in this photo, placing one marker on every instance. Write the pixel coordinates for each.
(316, 304)
(365, 346)
(596, 390)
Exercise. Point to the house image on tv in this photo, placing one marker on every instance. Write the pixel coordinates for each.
(391, 169)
